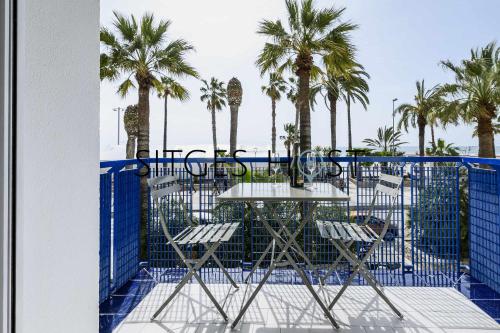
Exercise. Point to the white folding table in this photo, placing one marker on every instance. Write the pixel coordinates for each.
(267, 194)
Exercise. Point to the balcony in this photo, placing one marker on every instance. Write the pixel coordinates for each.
(440, 262)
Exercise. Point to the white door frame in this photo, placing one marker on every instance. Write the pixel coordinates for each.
(7, 165)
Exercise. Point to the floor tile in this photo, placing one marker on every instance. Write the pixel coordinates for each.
(292, 309)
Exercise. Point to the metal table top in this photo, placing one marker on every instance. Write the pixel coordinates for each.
(282, 192)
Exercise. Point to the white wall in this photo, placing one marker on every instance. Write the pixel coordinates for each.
(58, 166)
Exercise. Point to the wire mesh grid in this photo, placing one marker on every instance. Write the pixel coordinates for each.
(126, 224)
(429, 219)
(435, 224)
(388, 259)
(484, 226)
(105, 237)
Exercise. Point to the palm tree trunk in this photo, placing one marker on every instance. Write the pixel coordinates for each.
(130, 151)
(349, 134)
(433, 140)
(293, 135)
(333, 119)
(165, 129)
(273, 129)
(297, 118)
(234, 128)
(214, 130)
(304, 63)
(143, 153)
(486, 137)
(421, 135)
(349, 127)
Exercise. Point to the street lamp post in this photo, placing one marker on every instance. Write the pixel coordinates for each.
(118, 109)
(393, 148)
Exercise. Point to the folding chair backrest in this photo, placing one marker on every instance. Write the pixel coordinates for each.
(163, 186)
(388, 185)
(394, 181)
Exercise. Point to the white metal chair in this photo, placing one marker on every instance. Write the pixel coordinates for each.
(343, 235)
(211, 236)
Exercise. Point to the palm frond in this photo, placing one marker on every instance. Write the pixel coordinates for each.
(125, 87)
(128, 28)
(142, 52)
(214, 94)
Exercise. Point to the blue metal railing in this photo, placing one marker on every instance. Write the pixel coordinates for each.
(105, 237)
(119, 230)
(484, 219)
(125, 226)
(425, 233)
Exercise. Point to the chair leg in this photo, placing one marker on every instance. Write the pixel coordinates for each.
(370, 279)
(226, 273)
(360, 268)
(353, 259)
(209, 294)
(334, 266)
(185, 279)
(181, 284)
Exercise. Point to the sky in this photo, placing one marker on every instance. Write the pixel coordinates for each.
(398, 42)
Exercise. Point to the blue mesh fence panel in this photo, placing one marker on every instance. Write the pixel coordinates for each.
(198, 194)
(259, 237)
(321, 251)
(435, 224)
(230, 253)
(423, 235)
(484, 226)
(164, 263)
(126, 204)
(104, 237)
(387, 260)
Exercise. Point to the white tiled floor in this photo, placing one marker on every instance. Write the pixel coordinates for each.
(291, 309)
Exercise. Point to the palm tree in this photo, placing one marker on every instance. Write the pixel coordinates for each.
(329, 87)
(140, 52)
(130, 121)
(386, 139)
(442, 149)
(214, 94)
(428, 103)
(291, 136)
(433, 123)
(292, 96)
(343, 80)
(476, 94)
(355, 88)
(172, 88)
(234, 95)
(273, 90)
(311, 32)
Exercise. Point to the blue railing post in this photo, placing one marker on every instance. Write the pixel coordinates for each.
(104, 236)
(457, 214)
(403, 250)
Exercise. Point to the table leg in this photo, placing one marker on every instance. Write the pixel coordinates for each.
(284, 253)
(296, 247)
(266, 251)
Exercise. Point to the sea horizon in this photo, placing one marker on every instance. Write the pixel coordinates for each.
(118, 152)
